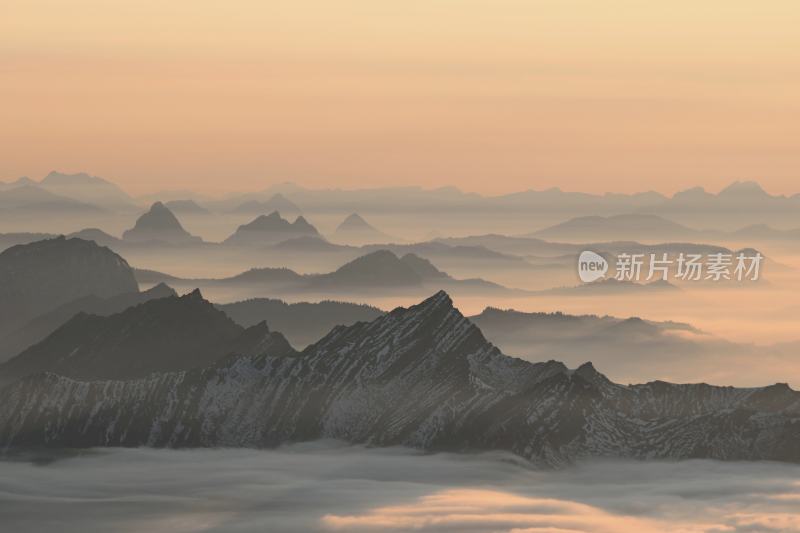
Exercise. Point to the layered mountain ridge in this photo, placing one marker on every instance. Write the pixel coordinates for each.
(423, 376)
(159, 335)
(36, 277)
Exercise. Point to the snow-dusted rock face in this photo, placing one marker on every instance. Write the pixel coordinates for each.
(423, 377)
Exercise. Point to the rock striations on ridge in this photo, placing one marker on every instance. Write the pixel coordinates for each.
(422, 376)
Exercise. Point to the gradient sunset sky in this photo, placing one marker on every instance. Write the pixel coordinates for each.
(492, 96)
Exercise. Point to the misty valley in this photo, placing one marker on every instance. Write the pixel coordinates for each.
(276, 360)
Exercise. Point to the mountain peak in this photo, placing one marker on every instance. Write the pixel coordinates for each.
(356, 230)
(379, 268)
(743, 188)
(163, 334)
(437, 300)
(300, 223)
(588, 372)
(354, 221)
(159, 224)
(194, 295)
(271, 229)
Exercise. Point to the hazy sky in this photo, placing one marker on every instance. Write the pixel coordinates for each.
(492, 95)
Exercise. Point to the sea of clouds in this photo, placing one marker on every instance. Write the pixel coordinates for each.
(328, 486)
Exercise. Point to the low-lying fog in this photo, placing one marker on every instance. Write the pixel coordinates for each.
(333, 487)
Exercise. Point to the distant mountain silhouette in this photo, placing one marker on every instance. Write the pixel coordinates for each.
(613, 286)
(763, 232)
(278, 202)
(43, 325)
(186, 207)
(308, 244)
(40, 276)
(355, 230)
(19, 182)
(634, 227)
(302, 323)
(7, 240)
(166, 334)
(97, 235)
(377, 271)
(89, 189)
(381, 268)
(30, 199)
(159, 224)
(440, 252)
(631, 350)
(271, 229)
(537, 335)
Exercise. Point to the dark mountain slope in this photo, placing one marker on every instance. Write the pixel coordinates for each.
(173, 333)
(43, 325)
(423, 377)
(42, 275)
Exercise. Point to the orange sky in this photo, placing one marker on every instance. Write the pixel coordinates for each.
(492, 96)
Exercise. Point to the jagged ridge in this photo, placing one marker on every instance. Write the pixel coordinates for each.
(424, 377)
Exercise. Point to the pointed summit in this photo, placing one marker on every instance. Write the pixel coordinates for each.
(438, 300)
(194, 295)
(355, 230)
(159, 224)
(354, 221)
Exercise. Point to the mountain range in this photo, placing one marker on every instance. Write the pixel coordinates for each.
(381, 271)
(355, 230)
(744, 202)
(61, 192)
(29, 199)
(653, 228)
(423, 376)
(159, 335)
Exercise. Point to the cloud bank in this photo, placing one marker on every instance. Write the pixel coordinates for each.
(332, 487)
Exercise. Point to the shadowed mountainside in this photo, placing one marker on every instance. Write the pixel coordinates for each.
(43, 325)
(422, 376)
(37, 277)
(166, 334)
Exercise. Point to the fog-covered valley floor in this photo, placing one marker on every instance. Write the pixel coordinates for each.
(327, 486)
